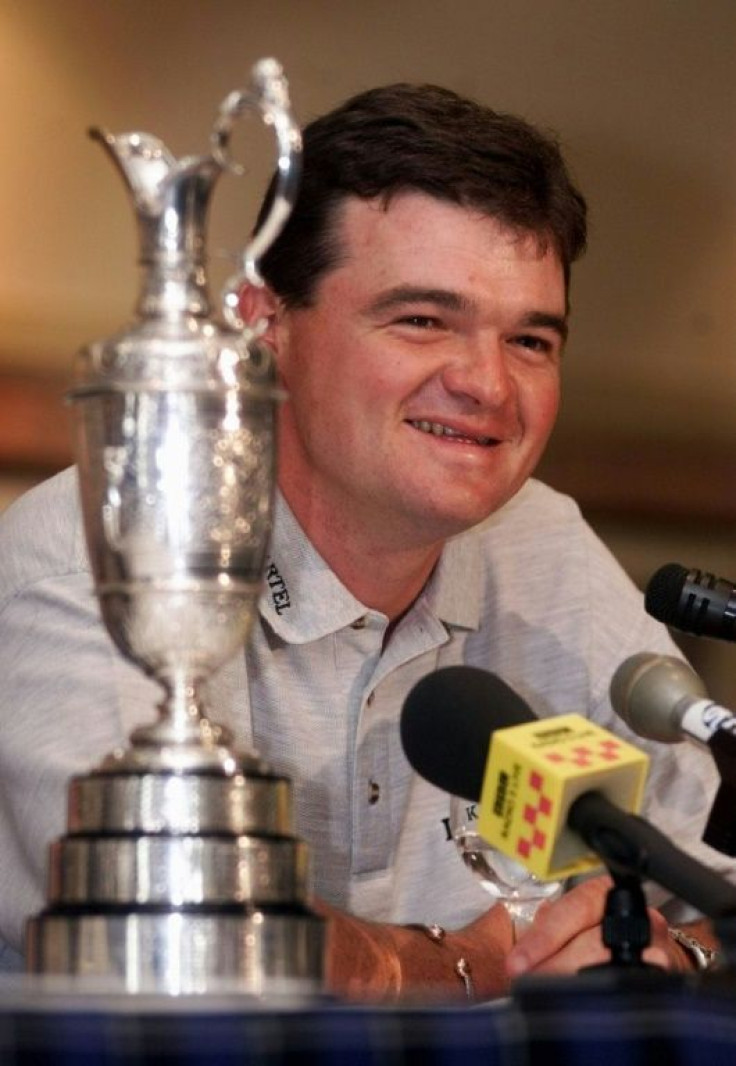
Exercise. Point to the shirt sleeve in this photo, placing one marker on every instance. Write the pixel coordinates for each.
(68, 698)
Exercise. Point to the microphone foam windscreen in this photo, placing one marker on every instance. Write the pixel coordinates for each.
(662, 596)
(447, 721)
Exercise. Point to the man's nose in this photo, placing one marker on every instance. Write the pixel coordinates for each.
(481, 372)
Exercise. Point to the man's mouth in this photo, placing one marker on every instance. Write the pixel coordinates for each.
(437, 429)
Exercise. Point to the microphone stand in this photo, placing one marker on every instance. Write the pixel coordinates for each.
(626, 932)
(625, 929)
(633, 850)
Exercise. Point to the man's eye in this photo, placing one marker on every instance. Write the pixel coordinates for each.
(419, 321)
(534, 343)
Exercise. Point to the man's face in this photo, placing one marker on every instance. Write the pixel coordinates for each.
(424, 380)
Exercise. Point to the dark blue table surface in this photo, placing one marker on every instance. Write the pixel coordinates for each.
(556, 1022)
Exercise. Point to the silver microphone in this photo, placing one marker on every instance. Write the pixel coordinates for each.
(661, 698)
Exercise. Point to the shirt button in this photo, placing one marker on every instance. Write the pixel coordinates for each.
(359, 623)
(374, 792)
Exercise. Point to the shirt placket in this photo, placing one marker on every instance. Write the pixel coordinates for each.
(381, 774)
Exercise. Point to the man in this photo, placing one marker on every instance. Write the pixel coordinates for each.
(417, 309)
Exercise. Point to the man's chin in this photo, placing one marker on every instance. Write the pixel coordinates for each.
(478, 508)
(440, 523)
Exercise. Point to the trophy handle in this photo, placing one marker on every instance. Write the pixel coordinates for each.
(269, 96)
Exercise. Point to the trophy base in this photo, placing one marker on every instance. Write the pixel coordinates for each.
(268, 952)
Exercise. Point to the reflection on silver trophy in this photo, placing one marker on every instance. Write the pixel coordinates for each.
(179, 872)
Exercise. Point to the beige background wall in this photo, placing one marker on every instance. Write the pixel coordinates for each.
(642, 94)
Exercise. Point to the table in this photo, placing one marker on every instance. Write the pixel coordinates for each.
(565, 1021)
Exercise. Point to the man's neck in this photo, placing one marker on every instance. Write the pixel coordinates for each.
(375, 566)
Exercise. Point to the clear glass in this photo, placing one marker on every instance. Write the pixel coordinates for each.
(504, 879)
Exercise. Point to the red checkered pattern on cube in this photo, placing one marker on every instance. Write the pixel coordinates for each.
(536, 817)
(606, 750)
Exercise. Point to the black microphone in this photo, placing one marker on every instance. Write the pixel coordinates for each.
(692, 601)
(662, 698)
(448, 724)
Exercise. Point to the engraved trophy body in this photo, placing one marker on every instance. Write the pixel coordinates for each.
(179, 872)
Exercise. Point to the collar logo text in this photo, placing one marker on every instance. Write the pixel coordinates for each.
(279, 591)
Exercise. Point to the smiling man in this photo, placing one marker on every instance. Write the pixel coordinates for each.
(417, 309)
(431, 354)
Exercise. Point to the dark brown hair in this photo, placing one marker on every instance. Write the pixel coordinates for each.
(424, 138)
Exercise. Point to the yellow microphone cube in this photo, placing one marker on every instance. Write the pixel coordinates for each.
(534, 773)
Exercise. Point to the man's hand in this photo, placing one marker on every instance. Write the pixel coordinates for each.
(566, 936)
(380, 963)
(373, 962)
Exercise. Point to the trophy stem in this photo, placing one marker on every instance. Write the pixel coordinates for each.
(182, 722)
(182, 708)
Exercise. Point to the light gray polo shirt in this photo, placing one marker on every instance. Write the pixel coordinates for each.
(326, 701)
(531, 595)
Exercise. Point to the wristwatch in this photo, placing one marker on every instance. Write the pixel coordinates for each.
(703, 957)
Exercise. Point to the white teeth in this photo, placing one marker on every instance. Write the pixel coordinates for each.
(438, 430)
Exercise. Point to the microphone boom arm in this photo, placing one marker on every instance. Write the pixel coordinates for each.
(629, 845)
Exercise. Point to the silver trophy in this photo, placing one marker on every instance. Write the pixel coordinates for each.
(179, 872)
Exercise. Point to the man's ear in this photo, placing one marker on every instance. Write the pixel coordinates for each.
(258, 303)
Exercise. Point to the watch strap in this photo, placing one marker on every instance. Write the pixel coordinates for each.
(702, 957)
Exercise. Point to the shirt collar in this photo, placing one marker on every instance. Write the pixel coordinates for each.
(302, 599)
(455, 589)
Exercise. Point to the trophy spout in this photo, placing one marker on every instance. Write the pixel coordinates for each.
(156, 180)
(143, 161)
(171, 201)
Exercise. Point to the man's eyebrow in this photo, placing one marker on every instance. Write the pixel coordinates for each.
(545, 320)
(455, 301)
(407, 294)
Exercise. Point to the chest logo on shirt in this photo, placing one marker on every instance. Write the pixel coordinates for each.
(279, 591)
(470, 815)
